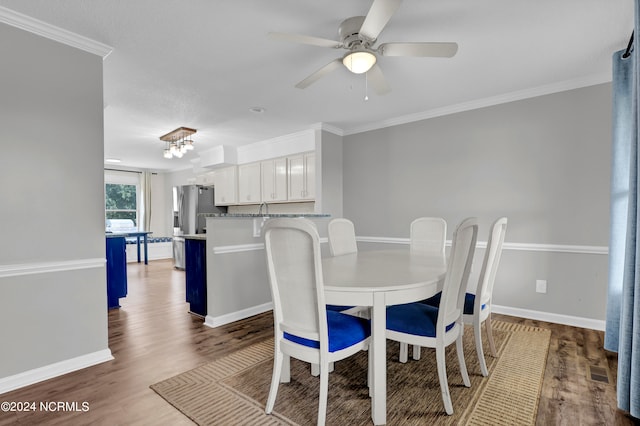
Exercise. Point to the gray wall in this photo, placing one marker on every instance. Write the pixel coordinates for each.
(51, 170)
(543, 162)
(329, 154)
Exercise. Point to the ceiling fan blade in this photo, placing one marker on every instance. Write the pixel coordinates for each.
(331, 66)
(305, 39)
(377, 80)
(435, 49)
(377, 17)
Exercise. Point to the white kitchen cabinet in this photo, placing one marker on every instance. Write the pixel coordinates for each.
(302, 177)
(274, 180)
(206, 179)
(226, 186)
(249, 188)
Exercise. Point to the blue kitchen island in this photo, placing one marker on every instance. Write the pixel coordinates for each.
(116, 269)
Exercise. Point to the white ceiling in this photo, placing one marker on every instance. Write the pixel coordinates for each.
(204, 63)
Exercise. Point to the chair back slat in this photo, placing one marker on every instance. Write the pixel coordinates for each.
(491, 261)
(295, 275)
(458, 270)
(428, 235)
(342, 237)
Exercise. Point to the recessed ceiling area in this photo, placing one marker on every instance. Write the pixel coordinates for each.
(210, 65)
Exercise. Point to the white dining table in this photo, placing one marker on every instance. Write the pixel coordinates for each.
(377, 279)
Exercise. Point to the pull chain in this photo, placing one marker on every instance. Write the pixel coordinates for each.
(366, 86)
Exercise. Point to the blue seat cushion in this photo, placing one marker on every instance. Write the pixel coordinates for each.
(344, 331)
(338, 308)
(417, 318)
(469, 300)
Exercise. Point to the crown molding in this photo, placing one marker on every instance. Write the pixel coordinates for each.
(328, 128)
(35, 26)
(562, 86)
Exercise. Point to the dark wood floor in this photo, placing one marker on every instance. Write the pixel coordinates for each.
(152, 337)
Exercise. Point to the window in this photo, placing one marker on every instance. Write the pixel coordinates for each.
(121, 201)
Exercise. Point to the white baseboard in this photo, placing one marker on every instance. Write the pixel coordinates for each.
(53, 370)
(550, 317)
(214, 322)
(590, 323)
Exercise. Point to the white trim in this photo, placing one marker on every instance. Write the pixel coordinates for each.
(383, 240)
(548, 89)
(46, 267)
(50, 371)
(328, 128)
(573, 321)
(550, 317)
(240, 248)
(214, 322)
(35, 26)
(237, 248)
(557, 248)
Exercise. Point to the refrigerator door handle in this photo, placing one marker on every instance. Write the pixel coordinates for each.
(181, 210)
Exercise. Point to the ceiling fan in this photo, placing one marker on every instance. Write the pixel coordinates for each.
(358, 36)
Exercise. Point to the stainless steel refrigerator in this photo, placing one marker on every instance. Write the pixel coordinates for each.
(188, 202)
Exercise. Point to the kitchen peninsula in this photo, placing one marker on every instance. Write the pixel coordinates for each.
(236, 273)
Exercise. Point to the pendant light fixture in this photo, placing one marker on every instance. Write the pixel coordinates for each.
(178, 142)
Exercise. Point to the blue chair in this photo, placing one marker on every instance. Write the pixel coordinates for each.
(303, 327)
(420, 325)
(477, 306)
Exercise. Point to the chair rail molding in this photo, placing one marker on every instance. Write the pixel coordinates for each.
(239, 248)
(556, 248)
(47, 267)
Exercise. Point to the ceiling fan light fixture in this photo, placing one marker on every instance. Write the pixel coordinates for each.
(359, 61)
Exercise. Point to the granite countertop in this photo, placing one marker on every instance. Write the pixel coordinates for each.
(254, 215)
(195, 236)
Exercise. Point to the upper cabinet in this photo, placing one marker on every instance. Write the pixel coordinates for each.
(206, 179)
(302, 177)
(226, 186)
(274, 180)
(277, 180)
(249, 188)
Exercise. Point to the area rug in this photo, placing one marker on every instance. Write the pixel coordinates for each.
(233, 390)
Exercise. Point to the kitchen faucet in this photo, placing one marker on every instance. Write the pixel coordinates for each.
(266, 208)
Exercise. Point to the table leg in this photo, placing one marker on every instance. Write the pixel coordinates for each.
(379, 362)
(146, 257)
(138, 246)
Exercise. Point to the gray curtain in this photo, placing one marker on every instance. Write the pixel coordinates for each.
(622, 332)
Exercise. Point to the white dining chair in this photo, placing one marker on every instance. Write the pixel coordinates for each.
(427, 235)
(342, 237)
(423, 325)
(342, 240)
(477, 305)
(480, 302)
(303, 327)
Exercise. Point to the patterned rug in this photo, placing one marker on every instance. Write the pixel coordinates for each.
(233, 390)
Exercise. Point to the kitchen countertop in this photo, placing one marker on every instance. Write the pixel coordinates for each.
(254, 215)
(194, 236)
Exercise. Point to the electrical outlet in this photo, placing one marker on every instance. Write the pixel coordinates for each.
(541, 286)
